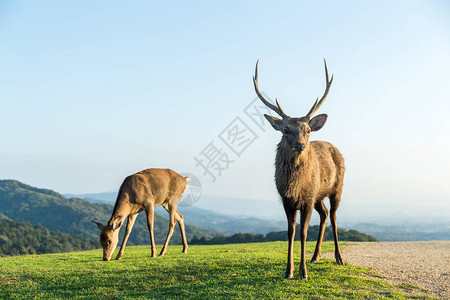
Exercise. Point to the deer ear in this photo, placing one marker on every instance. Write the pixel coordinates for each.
(317, 122)
(117, 223)
(99, 226)
(275, 122)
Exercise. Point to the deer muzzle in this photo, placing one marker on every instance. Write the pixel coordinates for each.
(299, 147)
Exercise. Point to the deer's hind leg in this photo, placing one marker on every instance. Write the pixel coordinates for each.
(150, 211)
(323, 212)
(335, 199)
(305, 217)
(171, 209)
(180, 220)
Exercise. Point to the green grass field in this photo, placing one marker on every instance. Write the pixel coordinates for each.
(247, 271)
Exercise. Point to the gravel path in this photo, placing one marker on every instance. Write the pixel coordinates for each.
(425, 264)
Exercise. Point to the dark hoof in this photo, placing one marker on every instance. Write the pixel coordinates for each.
(118, 257)
(288, 276)
(315, 257)
(303, 277)
(337, 255)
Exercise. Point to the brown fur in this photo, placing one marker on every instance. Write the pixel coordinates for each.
(303, 180)
(142, 192)
(306, 173)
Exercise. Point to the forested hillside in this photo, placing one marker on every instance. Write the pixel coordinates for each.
(18, 238)
(24, 203)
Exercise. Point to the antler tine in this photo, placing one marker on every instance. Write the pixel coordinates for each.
(277, 108)
(318, 103)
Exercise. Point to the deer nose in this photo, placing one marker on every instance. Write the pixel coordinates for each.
(299, 147)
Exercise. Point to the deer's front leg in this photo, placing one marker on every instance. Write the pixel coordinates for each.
(291, 215)
(150, 217)
(305, 216)
(130, 223)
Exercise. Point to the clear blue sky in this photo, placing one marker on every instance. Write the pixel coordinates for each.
(92, 91)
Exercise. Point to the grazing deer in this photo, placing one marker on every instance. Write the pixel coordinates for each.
(305, 173)
(144, 191)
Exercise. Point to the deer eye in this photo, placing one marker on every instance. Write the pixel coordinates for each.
(286, 130)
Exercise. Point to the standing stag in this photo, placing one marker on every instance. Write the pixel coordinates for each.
(305, 173)
(144, 191)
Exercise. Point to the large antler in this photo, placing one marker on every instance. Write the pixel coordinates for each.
(277, 108)
(318, 103)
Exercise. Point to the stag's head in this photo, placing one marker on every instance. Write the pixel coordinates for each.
(109, 237)
(295, 130)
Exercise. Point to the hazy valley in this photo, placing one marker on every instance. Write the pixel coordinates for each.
(233, 215)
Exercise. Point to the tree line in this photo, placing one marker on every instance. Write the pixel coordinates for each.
(17, 238)
(313, 231)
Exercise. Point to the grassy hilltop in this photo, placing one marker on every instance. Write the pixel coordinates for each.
(247, 271)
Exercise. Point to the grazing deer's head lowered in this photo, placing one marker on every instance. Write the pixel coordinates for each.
(142, 192)
(305, 173)
(109, 237)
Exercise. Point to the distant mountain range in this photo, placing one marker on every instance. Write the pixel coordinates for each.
(237, 228)
(107, 197)
(438, 231)
(208, 218)
(237, 207)
(231, 215)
